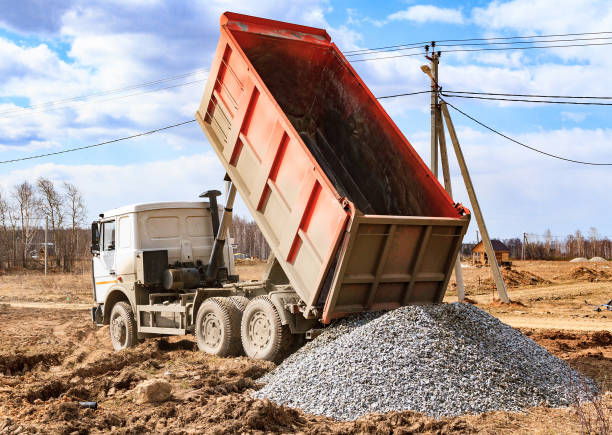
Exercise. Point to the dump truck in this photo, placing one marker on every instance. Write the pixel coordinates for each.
(354, 218)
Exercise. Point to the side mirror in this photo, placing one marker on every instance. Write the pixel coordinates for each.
(95, 238)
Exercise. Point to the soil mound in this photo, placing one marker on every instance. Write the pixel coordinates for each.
(578, 260)
(583, 273)
(514, 278)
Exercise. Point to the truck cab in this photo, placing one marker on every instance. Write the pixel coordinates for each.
(161, 248)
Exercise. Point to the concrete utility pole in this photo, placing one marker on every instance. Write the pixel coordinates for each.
(497, 276)
(523, 246)
(438, 139)
(46, 240)
(434, 109)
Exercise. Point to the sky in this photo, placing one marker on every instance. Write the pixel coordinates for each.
(143, 65)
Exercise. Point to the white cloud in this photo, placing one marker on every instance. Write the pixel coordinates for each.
(518, 188)
(429, 13)
(546, 16)
(108, 186)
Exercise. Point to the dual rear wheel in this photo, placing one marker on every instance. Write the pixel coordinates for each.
(235, 326)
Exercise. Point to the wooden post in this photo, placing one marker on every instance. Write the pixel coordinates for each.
(434, 109)
(449, 190)
(497, 276)
(46, 240)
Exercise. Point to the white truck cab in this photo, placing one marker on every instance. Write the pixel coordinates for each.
(183, 229)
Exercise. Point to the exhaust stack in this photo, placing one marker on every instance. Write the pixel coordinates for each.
(216, 256)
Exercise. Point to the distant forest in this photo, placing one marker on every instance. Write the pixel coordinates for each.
(23, 212)
(548, 247)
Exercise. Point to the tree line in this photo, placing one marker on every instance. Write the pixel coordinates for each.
(24, 210)
(549, 247)
(248, 239)
(250, 242)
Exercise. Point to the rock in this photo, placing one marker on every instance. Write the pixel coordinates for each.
(153, 390)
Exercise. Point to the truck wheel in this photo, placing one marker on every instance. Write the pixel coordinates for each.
(122, 326)
(217, 327)
(263, 335)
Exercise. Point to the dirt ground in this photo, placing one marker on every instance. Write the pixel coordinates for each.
(52, 357)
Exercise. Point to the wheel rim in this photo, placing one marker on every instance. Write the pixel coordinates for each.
(118, 330)
(211, 330)
(260, 330)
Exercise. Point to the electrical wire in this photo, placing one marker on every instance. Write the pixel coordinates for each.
(522, 100)
(481, 44)
(155, 131)
(403, 95)
(107, 92)
(51, 109)
(529, 95)
(98, 144)
(485, 49)
(522, 144)
(499, 38)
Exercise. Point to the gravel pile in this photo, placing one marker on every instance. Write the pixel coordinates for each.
(441, 360)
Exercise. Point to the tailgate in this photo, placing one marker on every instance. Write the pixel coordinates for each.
(389, 261)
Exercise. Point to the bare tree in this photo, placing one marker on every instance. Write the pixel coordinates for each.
(75, 211)
(4, 233)
(27, 207)
(52, 207)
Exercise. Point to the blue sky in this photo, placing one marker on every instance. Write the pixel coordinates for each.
(58, 50)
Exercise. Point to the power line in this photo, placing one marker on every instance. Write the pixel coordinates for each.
(529, 95)
(106, 92)
(51, 109)
(522, 144)
(155, 131)
(522, 100)
(486, 49)
(499, 38)
(98, 144)
(403, 95)
(402, 48)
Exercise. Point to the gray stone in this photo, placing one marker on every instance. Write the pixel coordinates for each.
(441, 360)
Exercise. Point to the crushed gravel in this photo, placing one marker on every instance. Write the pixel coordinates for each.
(441, 360)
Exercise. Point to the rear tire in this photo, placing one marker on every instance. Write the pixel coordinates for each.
(217, 327)
(263, 335)
(123, 326)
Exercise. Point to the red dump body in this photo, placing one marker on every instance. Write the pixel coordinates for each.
(355, 218)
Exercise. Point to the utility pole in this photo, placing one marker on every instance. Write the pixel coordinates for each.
(523, 246)
(497, 276)
(438, 139)
(46, 240)
(434, 108)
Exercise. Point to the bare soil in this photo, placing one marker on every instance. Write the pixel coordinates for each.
(52, 357)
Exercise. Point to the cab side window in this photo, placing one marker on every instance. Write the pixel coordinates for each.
(108, 236)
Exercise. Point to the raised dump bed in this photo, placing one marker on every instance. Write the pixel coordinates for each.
(354, 217)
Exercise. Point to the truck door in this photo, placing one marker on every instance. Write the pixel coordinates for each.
(104, 263)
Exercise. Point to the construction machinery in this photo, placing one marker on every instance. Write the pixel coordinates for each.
(354, 218)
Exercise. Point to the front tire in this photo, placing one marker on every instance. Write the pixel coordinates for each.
(262, 333)
(122, 326)
(217, 327)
